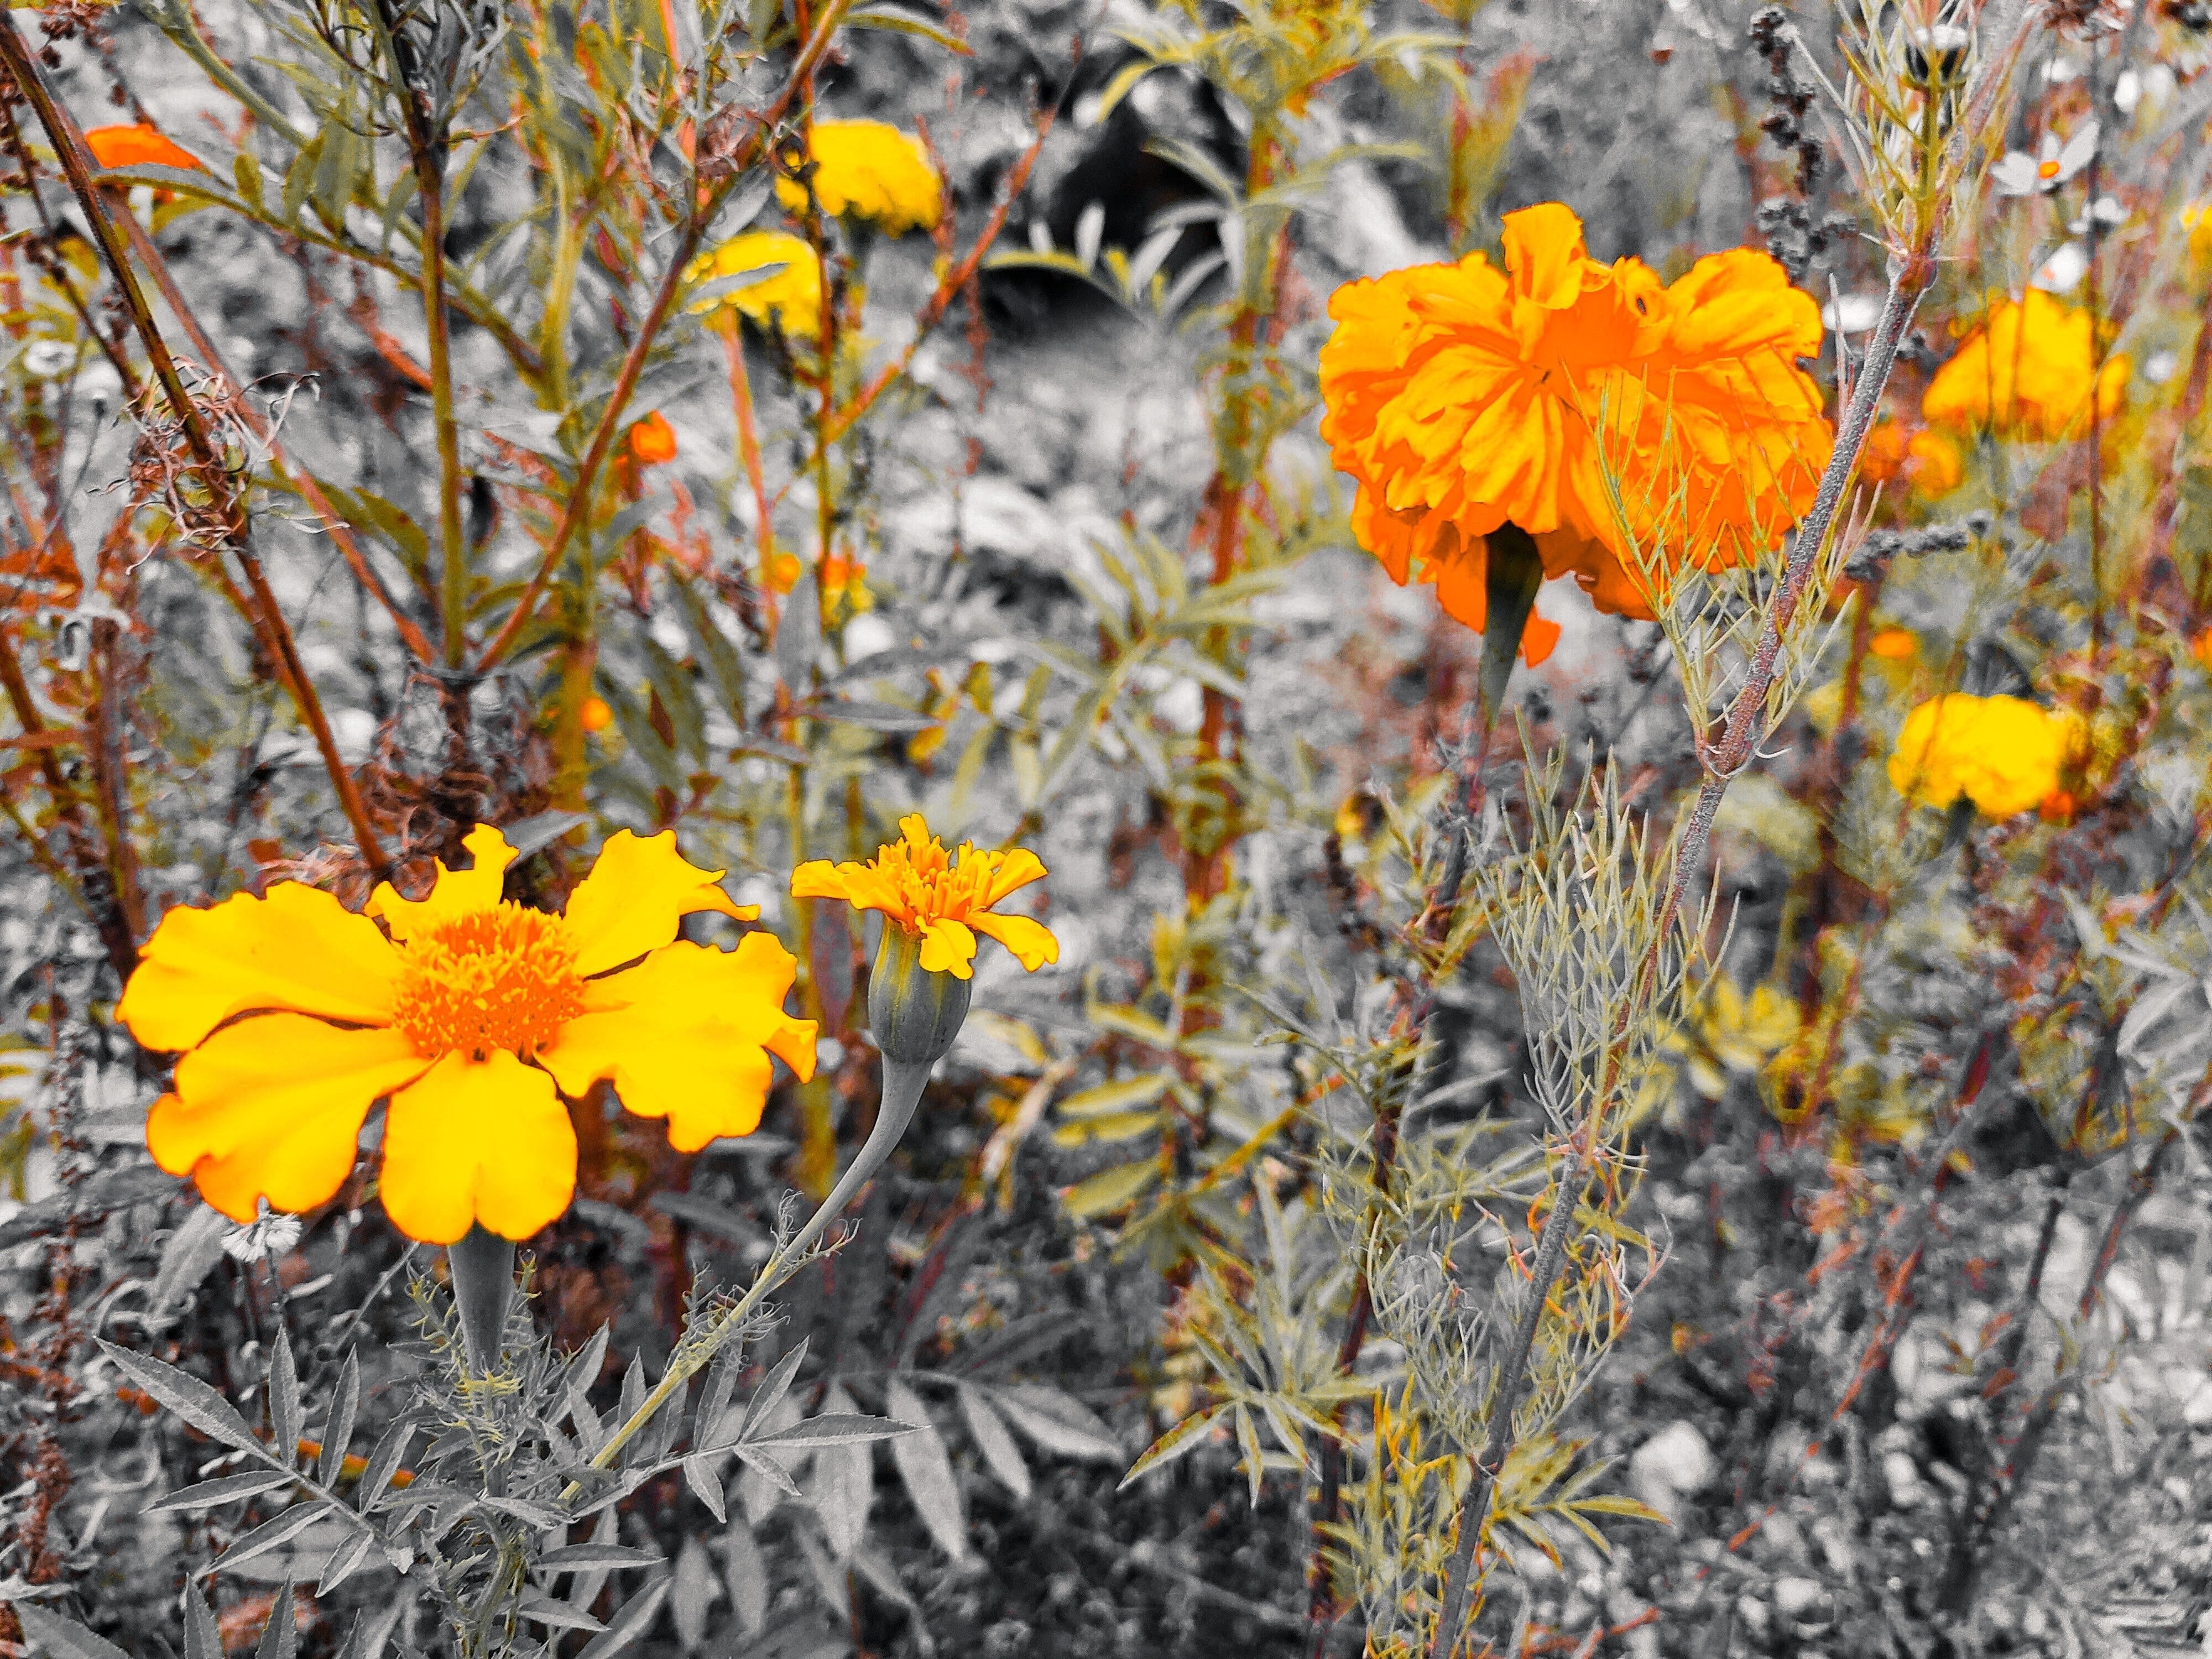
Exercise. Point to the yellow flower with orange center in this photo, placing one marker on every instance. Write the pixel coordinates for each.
(788, 297)
(2004, 753)
(942, 900)
(2027, 369)
(1462, 398)
(472, 1016)
(869, 170)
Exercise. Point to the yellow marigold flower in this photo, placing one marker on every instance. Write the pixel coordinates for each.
(1462, 397)
(870, 170)
(2004, 753)
(941, 900)
(2026, 369)
(472, 1015)
(1732, 1034)
(790, 298)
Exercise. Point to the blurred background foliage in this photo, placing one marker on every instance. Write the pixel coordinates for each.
(1895, 1253)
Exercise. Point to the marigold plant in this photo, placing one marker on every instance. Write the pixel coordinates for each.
(2004, 753)
(2026, 369)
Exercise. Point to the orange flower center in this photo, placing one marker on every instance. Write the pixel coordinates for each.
(2047, 170)
(503, 979)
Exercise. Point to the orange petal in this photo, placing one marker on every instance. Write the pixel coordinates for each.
(272, 1107)
(455, 892)
(948, 947)
(635, 897)
(686, 1034)
(477, 1140)
(136, 146)
(298, 948)
(1543, 252)
(1017, 870)
(1028, 938)
(1538, 638)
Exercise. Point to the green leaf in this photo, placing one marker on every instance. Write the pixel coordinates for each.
(51, 1634)
(1111, 1189)
(833, 1429)
(285, 1418)
(576, 1557)
(925, 1468)
(1105, 1099)
(903, 22)
(1178, 1442)
(271, 1534)
(188, 1397)
(1107, 1130)
(994, 1440)
(1057, 1422)
(228, 1490)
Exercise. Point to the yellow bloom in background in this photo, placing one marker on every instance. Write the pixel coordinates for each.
(473, 1016)
(943, 900)
(873, 171)
(2026, 370)
(789, 298)
(1732, 1034)
(2004, 753)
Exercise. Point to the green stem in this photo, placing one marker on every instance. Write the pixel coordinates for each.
(903, 1081)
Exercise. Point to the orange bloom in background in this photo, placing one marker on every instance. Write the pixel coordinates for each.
(652, 441)
(136, 146)
(473, 1016)
(1926, 461)
(2027, 369)
(595, 716)
(1462, 397)
(942, 899)
(1893, 644)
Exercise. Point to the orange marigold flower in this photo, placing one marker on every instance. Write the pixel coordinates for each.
(943, 900)
(595, 716)
(652, 441)
(1882, 456)
(2004, 753)
(2026, 369)
(473, 1016)
(1927, 461)
(1462, 398)
(1894, 644)
(873, 171)
(138, 146)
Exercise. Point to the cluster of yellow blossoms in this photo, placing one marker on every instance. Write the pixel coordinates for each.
(2005, 755)
(474, 1016)
(865, 171)
(1621, 422)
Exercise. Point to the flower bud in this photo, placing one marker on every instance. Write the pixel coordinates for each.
(913, 1013)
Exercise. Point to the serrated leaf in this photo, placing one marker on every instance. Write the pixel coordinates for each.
(576, 1557)
(773, 1387)
(187, 1396)
(1185, 1438)
(226, 1490)
(705, 1485)
(345, 1561)
(1057, 1422)
(59, 1637)
(280, 1637)
(994, 1440)
(692, 1590)
(1110, 1130)
(926, 1468)
(189, 1255)
(338, 1432)
(271, 1534)
(1123, 1094)
(383, 1464)
(203, 1637)
(540, 1610)
(832, 1428)
(630, 1624)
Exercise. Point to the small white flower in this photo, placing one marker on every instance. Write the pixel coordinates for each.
(2161, 367)
(44, 359)
(2107, 211)
(2063, 271)
(269, 1237)
(1852, 313)
(2021, 174)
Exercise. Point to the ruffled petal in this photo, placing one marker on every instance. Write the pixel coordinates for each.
(1028, 938)
(686, 1034)
(455, 892)
(1543, 252)
(477, 1140)
(271, 1108)
(948, 947)
(1017, 870)
(819, 878)
(298, 948)
(635, 897)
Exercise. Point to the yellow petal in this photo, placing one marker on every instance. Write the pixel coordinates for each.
(455, 892)
(818, 878)
(1029, 940)
(636, 895)
(271, 1108)
(947, 947)
(686, 1034)
(298, 948)
(1019, 868)
(477, 1140)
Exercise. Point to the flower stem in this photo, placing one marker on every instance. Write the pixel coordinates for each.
(482, 1267)
(901, 1093)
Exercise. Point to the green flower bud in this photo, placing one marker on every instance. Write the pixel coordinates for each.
(913, 1013)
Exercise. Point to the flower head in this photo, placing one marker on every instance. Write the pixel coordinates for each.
(1463, 398)
(941, 899)
(652, 441)
(788, 297)
(2050, 166)
(2005, 755)
(1925, 460)
(870, 170)
(138, 146)
(472, 1015)
(2027, 369)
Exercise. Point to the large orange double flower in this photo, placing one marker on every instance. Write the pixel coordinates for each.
(1594, 407)
(473, 1016)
